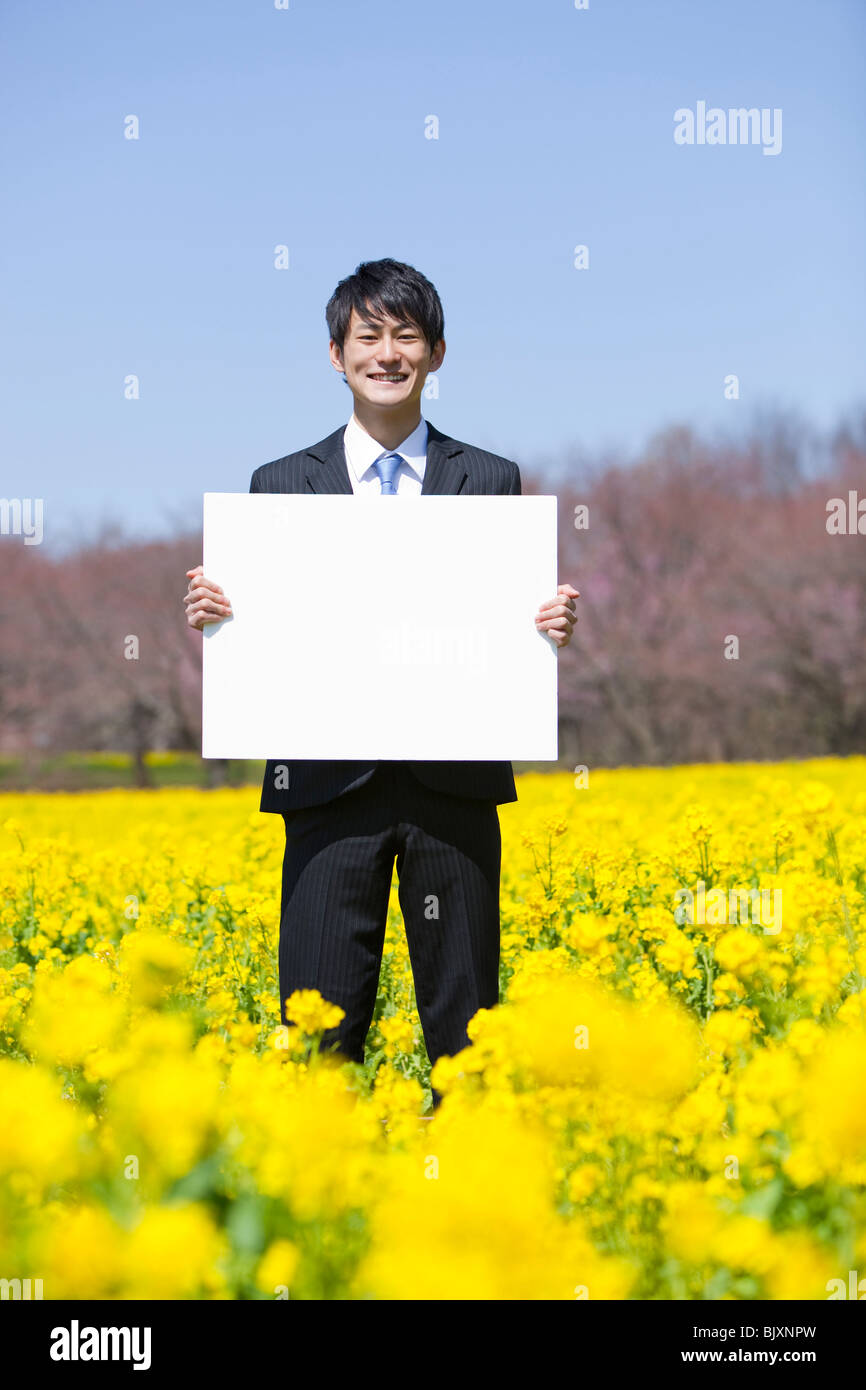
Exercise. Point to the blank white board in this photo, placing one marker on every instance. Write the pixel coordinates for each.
(371, 627)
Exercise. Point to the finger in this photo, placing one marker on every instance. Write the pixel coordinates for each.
(201, 582)
(564, 624)
(217, 595)
(557, 603)
(207, 605)
(568, 589)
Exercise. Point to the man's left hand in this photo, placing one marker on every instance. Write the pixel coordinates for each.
(557, 616)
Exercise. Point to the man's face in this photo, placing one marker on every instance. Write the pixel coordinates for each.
(386, 363)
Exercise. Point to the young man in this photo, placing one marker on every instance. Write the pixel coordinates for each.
(346, 822)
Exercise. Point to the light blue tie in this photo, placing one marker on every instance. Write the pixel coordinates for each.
(386, 466)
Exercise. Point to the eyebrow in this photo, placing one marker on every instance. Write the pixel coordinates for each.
(376, 327)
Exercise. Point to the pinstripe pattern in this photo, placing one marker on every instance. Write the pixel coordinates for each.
(452, 468)
(337, 871)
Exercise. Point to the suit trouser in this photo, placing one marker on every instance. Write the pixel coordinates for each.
(337, 871)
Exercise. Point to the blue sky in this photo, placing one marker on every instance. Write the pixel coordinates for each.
(305, 127)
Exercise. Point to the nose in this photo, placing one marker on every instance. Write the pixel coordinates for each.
(389, 352)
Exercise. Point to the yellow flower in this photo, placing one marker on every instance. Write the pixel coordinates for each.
(154, 963)
(739, 951)
(74, 1012)
(41, 1135)
(699, 823)
(398, 1033)
(173, 1253)
(676, 953)
(725, 1031)
(66, 1250)
(311, 1012)
(727, 989)
(691, 1223)
(589, 932)
(593, 1106)
(800, 1268)
(472, 1215)
(744, 1242)
(277, 1267)
(584, 1181)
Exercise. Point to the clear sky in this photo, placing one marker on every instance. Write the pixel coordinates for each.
(306, 127)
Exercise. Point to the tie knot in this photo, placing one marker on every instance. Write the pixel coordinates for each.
(386, 466)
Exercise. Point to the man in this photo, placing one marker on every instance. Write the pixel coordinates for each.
(346, 822)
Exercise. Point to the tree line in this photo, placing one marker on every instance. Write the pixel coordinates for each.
(722, 614)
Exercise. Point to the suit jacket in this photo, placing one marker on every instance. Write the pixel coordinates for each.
(452, 468)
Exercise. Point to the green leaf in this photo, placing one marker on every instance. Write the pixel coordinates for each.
(764, 1200)
(245, 1224)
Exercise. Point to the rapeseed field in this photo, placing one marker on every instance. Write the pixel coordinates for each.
(667, 1104)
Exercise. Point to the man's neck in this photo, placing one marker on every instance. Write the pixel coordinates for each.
(389, 428)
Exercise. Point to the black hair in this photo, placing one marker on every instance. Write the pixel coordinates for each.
(385, 287)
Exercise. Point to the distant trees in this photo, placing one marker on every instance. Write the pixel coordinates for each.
(719, 617)
(95, 649)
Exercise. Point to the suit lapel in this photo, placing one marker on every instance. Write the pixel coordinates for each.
(327, 470)
(445, 471)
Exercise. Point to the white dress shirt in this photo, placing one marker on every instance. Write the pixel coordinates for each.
(361, 451)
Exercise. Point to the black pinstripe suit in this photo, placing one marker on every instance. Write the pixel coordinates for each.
(347, 822)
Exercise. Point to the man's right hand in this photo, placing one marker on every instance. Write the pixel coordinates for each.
(205, 601)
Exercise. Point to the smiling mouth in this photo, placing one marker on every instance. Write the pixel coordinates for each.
(395, 377)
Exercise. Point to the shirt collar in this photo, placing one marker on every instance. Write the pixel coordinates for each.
(362, 450)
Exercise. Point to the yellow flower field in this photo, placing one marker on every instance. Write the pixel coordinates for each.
(668, 1104)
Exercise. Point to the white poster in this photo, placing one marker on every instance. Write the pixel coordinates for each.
(367, 628)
